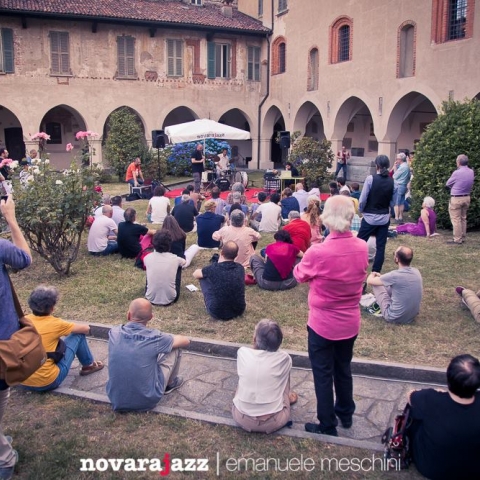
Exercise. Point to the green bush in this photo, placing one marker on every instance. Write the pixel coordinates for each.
(125, 140)
(52, 211)
(312, 158)
(456, 130)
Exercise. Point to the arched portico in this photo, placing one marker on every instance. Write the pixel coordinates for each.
(241, 149)
(273, 123)
(309, 122)
(11, 134)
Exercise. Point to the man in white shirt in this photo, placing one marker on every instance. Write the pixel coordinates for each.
(100, 239)
(118, 211)
(263, 398)
(271, 215)
(223, 163)
(301, 195)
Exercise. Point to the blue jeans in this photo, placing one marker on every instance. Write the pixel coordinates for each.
(399, 193)
(331, 361)
(381, 233)
(112, 247)
(341, 166)
(77, 345)
(132, 181)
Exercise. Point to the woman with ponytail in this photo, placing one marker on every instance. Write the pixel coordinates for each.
(312, 217)
(375, 205)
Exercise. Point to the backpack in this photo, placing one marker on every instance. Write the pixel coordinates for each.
(397, 444)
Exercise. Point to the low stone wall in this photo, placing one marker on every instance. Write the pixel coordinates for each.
(359, 168)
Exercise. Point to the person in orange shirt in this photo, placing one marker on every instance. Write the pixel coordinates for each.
(134, 174)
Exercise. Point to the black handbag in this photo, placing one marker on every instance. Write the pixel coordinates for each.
(59, 352)
(397, 444)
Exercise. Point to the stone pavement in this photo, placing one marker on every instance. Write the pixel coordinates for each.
(210, 386)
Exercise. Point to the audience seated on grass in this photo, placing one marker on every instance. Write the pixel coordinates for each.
(179, 239)
(471, 300)
(185, 214)
(299, 231)
(426, 224)
(312, 217)
(197, 198)
(207, 223)
(164, 271)
(158, 206)
(245, 237)
(237, 187)
(288, 203)
(53, 372)
(143, 363)
(219, 202)
(102, 237)
(276, 272)
(444, 434)
(223, 284)
(269, 213)
(237, 201)
(106, 200)
(118, 211)
(398, 293)
(129, 234)
(302, 196)
(263, 398)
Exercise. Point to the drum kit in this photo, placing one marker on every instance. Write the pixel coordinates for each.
(225, 179)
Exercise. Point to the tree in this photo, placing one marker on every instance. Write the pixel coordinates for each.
(312, 158)
(456, 130)
(52, 211)
(125, 140)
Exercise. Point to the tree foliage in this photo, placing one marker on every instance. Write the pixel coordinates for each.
(125, 140)
(456, 130)
(180, 158)
(52, 211)
(312, 158)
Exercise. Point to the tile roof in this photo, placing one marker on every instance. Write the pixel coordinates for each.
(161, 11)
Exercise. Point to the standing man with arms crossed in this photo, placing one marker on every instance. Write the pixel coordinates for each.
(460, 184)
(198, 166)
(334, 313)
(342, 158)
(17, 255)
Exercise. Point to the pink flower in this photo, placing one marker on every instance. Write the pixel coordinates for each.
(69, 147)
(40, 136)
(80, 135)
(5, 162)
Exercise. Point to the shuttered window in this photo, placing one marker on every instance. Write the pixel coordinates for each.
(219, 60)
(253, 68)
(60, 53)
(174, 58)
(7, 64)
(282, 5)
(126, 57)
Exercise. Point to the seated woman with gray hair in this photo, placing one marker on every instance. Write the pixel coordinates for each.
(53, 372)
(426, 224)
(263, 398)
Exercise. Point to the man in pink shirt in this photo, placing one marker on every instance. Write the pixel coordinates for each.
(335, 270)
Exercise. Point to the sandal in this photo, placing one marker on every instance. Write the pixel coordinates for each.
(94, 367)
(293, 398)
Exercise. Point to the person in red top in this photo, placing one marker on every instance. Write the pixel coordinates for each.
(299, 230)
(134, 175)
(335, 271)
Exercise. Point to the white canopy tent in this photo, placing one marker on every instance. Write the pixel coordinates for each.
(200, 130)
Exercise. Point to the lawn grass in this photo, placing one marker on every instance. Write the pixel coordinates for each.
(100, 290)
(52, 433)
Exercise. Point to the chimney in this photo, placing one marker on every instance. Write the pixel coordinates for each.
(227, 11)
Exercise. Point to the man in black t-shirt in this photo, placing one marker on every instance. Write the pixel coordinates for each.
(445, 433)
(198, 166)
(223, 285)
(185, 214)
(129, 233)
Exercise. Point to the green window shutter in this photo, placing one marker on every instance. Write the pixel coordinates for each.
(8, 51)
(64, 50)
(250, 63)
(228, 61)
(121, 67)
(210, 59)
(54, 52)
(130, 56)
(170, 58)
(179, 58)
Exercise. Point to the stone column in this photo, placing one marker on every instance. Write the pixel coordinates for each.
(96, 152)
(389, 149)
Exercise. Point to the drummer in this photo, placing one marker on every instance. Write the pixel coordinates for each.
(223, 163)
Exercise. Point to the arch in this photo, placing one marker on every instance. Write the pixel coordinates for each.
(179, 114)
(11, 132)
(406, 49)
(341, 40)
(477, 96)
(313, 69)
(279, 55)
(140, 118)
(106, 126)
(62, 123)
(309, 121)
(408, 119)
(274, 122)
(354, 125)
(235, 117)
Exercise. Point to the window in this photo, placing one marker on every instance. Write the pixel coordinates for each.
(313, 70)
(253, 68)
(54, 129)
(60, 53)
(260, 8)
(341, 40)
(7, 64)
(452, 20)
(126, 57)
(174, 58)
(282, 6)
(279, 56)
(219, 60)
(406, 50)
(196, 2)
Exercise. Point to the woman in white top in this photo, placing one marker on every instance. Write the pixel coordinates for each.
(263, 398)
(158, 206)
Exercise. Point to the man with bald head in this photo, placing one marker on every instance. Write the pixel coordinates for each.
(398, 293)
(460, 184)
(143, 363)
(102, 237)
